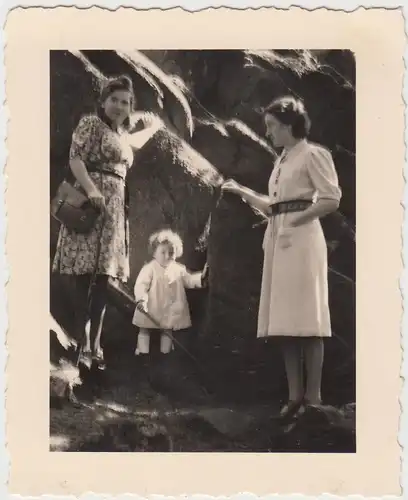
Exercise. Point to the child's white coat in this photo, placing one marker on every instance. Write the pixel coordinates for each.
(164, 290)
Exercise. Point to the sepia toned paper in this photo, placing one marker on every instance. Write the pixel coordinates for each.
(374, 470)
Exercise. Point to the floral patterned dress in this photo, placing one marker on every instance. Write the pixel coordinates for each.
(98, 145)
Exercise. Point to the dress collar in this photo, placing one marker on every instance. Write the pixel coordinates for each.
(297, 147)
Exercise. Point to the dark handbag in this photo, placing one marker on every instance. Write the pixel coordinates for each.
(73, 209)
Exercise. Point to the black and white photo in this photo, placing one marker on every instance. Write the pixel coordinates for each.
(202, 250)
(203, 245)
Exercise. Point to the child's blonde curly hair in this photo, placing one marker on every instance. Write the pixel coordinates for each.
(166, 237)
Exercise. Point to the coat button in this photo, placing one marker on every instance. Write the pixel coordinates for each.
(275, 193)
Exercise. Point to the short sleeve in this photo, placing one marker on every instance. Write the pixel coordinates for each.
(323, 174)
(143, 282)
(83, 138)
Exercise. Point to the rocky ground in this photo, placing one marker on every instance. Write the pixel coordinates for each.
(165, 405)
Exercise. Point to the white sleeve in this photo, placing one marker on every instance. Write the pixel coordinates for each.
(323, 174)
(143, 283)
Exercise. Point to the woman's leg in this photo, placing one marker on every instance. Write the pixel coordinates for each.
(292, 353)
(97, 311)
(314, 353)
(81, 311)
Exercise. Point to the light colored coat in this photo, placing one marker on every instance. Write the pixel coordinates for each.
(294, 292)
(164, 291)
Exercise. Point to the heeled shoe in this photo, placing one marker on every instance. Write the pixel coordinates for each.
(98, 359)
(308, 404)
(85, 358)
(290, 410)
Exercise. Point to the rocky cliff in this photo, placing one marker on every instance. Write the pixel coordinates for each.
(210, 103)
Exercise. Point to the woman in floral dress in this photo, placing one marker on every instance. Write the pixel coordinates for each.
(100, 141)
(294, 294)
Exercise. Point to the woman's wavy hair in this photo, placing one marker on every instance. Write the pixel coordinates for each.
(121, 82)
(290, 111)
(166, 237)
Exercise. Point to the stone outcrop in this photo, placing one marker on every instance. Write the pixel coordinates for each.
(232, 87)
(210, 106)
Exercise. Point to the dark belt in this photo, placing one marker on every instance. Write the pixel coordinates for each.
(284, 207)
(105, 172)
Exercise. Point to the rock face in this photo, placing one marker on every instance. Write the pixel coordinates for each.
(325, 81)
(213, 130)
(234, 245)
(166, 173)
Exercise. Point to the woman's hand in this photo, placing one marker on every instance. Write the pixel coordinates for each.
(231, 186)
(150, 119)
(285, 237)
(98, 200)
(145, 126)
(295, 221)
(256, 200)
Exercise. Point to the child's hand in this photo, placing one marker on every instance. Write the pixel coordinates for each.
(141, 306)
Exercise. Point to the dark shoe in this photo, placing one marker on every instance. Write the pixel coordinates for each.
(98, 360)
(85, 358)
(311, 406)
(311, 409)
(307, 407)
(290, 410)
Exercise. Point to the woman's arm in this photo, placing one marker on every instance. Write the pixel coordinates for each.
(259, 201)
(323, 175)
(318, 210)
(81, 175)
(83, 140)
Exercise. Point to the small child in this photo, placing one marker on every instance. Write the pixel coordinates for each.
(160, 291)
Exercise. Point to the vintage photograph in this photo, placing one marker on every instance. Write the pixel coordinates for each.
(202, 259)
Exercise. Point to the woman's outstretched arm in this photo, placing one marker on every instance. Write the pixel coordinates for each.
(139, 138)
(258, 201)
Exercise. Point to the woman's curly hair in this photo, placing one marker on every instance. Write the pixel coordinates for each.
(291, 111)
(121, 82)
(167, 237)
